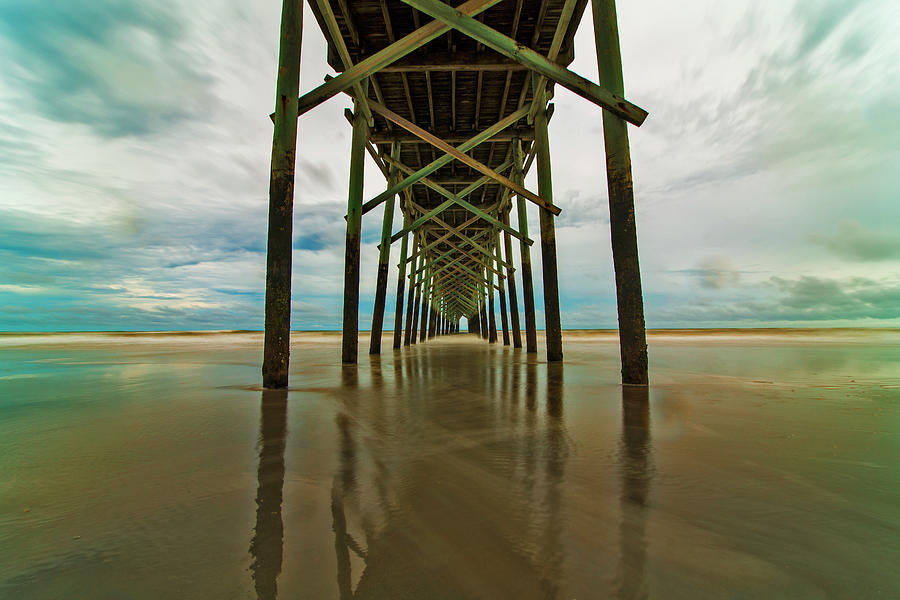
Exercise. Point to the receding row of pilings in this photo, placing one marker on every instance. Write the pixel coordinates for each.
(434, 303)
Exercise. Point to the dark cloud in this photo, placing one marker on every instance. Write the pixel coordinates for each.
(816, 298)
(805, 299)
(318, 174)
(714, 274)
(853, 241)
(113, 65)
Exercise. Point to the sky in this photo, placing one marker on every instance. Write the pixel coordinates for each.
(135, 145)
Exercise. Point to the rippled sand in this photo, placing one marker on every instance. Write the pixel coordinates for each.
(759, 464)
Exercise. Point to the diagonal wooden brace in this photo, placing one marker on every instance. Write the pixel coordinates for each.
(461, 156)
(509, 47)
(457, 199)
(446, 158)
(383, 58)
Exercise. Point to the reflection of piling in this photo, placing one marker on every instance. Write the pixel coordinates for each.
(266, 546)
(555, 466)
(636, 474)
(344, 486)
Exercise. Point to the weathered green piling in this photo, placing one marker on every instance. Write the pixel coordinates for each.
(553, 329)
(623, 230)
(276, 347)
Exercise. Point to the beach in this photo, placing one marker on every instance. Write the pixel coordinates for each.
(758, 464)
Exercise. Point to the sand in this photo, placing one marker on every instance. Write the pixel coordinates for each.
(759, 464)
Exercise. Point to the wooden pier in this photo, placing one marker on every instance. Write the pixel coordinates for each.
(452, 103)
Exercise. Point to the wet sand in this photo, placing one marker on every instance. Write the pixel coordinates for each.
(759, 464)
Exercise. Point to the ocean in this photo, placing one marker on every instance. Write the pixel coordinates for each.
(758, 464)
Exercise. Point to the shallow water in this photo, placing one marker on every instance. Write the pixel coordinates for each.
(757, 465)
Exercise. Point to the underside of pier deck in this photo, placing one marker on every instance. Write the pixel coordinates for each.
(452, 103)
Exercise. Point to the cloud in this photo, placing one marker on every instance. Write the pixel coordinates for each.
(854, 241)
(716, 274)
(116, 66)
(319, 174)
(798, 300)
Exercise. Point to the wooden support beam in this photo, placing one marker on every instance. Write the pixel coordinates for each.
(458, 61)
(527, 281)
(511, 287)
(348, 19)
(435, 211)
(504, 320)
(623, 230)
(410, 309)
(445, 237)
(383, 58)
(415, 323)
(495, 40)
(401, 284)
(384, 259)
(478, 99)
(458, 232)
(553, 329)
(453, 101)
(335, 33)
(455, 249)
(386, 137)
(350, 337)
(277, 344)
(457, 199)
(461, 156)
(562, 26)
(432, 315)
(425, 305)
(446, 158)
(492, 313)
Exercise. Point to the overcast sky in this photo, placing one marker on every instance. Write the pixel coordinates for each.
(135, 143)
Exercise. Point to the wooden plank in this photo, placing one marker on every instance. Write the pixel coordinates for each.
(397, 135)
(623, 229)
(382, 58)
(343, 52)
(277, 338)
(436, 62)
(495, 40)
(562, 27)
